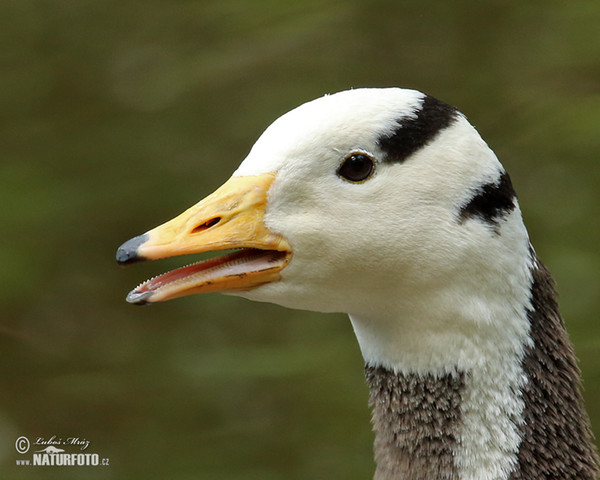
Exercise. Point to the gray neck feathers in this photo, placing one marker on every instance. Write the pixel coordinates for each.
(417, 418)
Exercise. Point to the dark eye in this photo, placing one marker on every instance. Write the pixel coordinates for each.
(356, 167)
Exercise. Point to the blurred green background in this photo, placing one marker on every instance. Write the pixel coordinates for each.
(116, 115)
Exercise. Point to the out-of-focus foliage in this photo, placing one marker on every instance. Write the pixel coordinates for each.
(116, 115)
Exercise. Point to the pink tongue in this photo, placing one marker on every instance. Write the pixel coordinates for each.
(169, 277)
(242, 261)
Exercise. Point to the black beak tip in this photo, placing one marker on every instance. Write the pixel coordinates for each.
(128, 252)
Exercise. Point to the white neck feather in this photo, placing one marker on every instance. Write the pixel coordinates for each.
(477, 326)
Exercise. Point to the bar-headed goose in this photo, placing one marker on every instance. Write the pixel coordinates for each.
(386, 204)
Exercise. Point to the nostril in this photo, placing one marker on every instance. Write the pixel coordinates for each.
(206, 225)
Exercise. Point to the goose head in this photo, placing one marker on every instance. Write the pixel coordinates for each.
(363, 202)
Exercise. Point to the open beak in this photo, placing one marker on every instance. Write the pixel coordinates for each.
(232, 218)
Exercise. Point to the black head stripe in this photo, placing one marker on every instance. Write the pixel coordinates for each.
(415, 131)
(491, 201)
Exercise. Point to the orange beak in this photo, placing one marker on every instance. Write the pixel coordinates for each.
(230, 218)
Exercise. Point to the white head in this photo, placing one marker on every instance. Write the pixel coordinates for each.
(396, 249)
(418, 245)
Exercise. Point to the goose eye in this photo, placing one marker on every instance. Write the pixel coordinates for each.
(356, 167)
